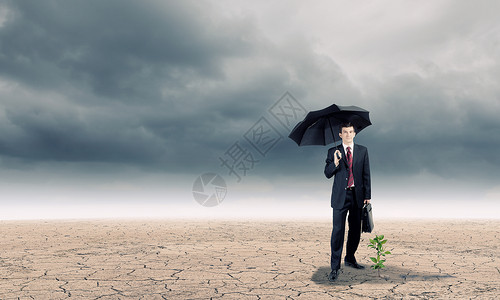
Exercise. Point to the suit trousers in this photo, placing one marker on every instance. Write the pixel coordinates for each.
(338, 231)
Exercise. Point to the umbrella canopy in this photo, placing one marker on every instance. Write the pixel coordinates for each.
(321, 127)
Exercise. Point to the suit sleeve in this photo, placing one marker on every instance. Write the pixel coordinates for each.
(366, 177)
(330, 168)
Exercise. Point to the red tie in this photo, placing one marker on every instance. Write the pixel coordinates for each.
(350, 182)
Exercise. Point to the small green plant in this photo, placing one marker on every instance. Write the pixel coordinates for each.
(378, 244)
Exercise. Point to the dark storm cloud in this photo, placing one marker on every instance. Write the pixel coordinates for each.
(107, 81)
(172, 84)
(117, 48)
(164, 84)
(434, 123)
(54, 132)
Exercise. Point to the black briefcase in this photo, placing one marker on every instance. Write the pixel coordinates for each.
(367, 218)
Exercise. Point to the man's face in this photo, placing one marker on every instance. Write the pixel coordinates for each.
(347, 135)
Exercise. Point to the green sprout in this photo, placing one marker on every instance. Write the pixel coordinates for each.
(378, 244)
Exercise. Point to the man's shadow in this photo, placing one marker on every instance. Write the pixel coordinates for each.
(349, 276)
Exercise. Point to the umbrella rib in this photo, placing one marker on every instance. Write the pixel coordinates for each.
(331, 130)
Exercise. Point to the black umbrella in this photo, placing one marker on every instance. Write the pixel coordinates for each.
(321, 126)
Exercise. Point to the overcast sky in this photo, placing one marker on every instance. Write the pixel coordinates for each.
(130, 101)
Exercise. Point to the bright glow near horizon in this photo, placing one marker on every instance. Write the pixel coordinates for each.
(255, 209)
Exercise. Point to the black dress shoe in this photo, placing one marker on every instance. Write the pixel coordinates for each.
(354, 264)
(333, 275)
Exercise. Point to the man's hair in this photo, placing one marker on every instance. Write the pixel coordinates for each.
(346, 124)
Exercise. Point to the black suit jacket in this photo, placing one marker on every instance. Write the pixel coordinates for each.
(361, 173)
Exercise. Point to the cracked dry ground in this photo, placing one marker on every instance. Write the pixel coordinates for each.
(242, 260)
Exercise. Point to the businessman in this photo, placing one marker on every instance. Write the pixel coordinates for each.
(351, 189)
